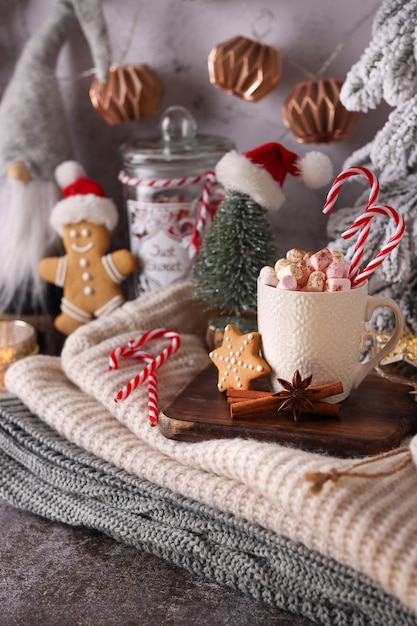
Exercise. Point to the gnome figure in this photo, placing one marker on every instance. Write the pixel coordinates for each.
(240, 241)
(90, 278)
(34, 139)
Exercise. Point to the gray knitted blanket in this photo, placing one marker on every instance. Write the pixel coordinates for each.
(44, 473)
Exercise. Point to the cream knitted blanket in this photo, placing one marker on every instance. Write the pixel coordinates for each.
(367, 523)
(43, 472)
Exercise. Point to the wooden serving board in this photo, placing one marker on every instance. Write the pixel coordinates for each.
(373, 419)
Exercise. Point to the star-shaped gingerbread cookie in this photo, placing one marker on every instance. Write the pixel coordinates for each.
(238, 359)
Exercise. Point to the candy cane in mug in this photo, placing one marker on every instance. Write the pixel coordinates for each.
(357, 170)
(358, 225)
(339, 181)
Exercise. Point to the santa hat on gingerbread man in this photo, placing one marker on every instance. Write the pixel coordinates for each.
(84, 199)
(260, 173)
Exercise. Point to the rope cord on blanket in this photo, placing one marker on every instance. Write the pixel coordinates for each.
(318, 479)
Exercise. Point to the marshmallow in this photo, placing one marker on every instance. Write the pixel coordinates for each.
(288, 283)
(325, 270)
(321, 259)
(268, 276)
(306, 272)
(307, 259)
(295, 254)
(316, 281)
(338, 284)
(280, 264)
(336, 269)
(337, 255)
(290, 269)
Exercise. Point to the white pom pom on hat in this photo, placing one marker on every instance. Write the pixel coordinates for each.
(84, 200)
(67, 172)
(260, 173)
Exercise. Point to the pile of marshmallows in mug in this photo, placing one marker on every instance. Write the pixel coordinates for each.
(325, 270)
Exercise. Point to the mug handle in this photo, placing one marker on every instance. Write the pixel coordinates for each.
(374, 302)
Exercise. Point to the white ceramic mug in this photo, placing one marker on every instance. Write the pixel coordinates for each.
(320, 334)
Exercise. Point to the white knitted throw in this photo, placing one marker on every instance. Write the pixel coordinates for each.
(369, 524)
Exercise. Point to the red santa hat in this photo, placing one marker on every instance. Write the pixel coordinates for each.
(260, 173)
(84, 199)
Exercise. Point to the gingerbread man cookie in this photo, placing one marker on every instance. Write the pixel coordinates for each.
(238, 359)
(90, 278)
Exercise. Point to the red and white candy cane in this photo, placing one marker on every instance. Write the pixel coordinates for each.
(153, 410)
(204, 215)
(363, 221)
(357, 170)
(149, 372)
(340, 180)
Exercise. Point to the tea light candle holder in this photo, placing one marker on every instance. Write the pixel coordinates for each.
(17, 340)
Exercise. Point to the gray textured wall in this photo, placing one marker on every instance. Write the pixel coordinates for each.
(174, 38)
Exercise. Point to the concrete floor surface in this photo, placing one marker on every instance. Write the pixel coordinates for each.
(56, 575)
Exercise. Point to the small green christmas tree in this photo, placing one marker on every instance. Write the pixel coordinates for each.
(241, 241)
(238, 245)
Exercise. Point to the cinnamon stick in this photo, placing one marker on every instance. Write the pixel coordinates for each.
(236, 395)
(248, 394)
(320, 392)
(260, 405)
(325, 391)
(256, 405)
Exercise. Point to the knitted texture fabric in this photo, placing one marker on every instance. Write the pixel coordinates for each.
(368, 523)
(45, 473)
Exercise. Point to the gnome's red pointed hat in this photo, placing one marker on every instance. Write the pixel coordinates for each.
(84, 199)
(260, 173)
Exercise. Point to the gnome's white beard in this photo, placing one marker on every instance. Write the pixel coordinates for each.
(25, 237)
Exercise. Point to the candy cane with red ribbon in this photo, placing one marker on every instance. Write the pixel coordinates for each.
(153, 410)
(149, 372)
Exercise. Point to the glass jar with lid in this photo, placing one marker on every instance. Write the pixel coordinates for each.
(171, 195)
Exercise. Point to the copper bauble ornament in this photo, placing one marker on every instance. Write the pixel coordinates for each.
(130, 93)
(314, 113)
(245, 68)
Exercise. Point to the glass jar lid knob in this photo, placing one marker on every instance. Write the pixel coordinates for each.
(177, 124)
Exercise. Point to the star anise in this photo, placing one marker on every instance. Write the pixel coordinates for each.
(296, 395)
